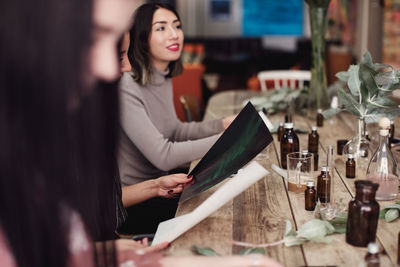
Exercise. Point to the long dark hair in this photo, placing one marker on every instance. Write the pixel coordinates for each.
(139, 49)
(57, 141)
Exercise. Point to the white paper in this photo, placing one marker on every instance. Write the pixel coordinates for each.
(172, 229)
(266, 121)
(279, 171)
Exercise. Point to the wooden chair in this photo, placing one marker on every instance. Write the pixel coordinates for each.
(284, 78)
(191, 107)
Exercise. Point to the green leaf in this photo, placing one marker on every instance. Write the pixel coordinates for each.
(248, 251)
(382, 214)
(343, 76)
(349, 102)
(377, 113)
(368, 85)
(382, 102)
(354, 82)
(294, 241)
(386, 79)
(330, 112)
(391, 215)
(340, 228)
(367, 59)
(204, 251)
(324, 239)
(379, 66)
(314, 228)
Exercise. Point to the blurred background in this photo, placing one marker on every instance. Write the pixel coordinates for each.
(227, 42)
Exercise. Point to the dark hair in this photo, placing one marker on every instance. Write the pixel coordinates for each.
(57, 141)
(139, 50)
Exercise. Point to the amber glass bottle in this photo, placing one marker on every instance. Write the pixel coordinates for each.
(281, 131)
(362, 219)
(310, 196)
(372, 257)
(305, 167)
(289, 143)
(320, 118)
(324, 185)
(398, 250)
(350, 166)
(313, 140)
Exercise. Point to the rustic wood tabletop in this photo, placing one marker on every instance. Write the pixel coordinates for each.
(258, 215)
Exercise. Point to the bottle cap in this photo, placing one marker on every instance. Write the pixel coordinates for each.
(304, 152)
(281, 124)
(373, 248)
(310, 183)
(289, 125)
(319, 110)
(334, 102)
(383, 132)
(350, 156)
(314, 128)
(325, 169)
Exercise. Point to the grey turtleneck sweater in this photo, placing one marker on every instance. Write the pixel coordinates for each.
(153, 140)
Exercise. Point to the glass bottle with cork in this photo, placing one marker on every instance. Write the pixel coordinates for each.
(310, 196)
(363, 214)
(324, 185)
(382, 168)
(350, 166)
(313, 141)
(289, 143)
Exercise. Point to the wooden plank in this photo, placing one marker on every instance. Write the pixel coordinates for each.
(258, 214)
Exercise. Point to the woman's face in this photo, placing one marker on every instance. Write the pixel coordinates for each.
(111, 18)
(125, 64)
(166, 38)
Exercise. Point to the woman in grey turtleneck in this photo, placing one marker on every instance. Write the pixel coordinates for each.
(153, 140)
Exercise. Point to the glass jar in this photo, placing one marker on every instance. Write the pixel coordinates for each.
(362, 220)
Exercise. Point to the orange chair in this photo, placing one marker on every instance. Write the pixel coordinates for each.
(191, 107)
(188, 83)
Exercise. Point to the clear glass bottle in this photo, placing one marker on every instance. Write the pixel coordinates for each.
(350, 166)
(324, 185)
(289, 143)
(280, 131)
(310, 196)
(320, 118)
(363, 213)
(359, 146)
(372, 257)
(382, 168)
(313, 141)
(391, 133)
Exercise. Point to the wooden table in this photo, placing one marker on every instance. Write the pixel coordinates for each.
(258, 214)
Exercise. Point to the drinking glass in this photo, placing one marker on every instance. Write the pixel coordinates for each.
(300, 169)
